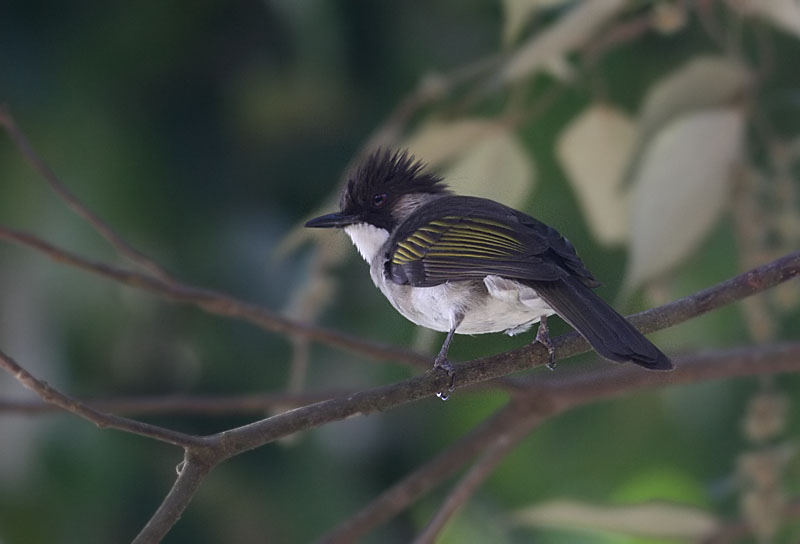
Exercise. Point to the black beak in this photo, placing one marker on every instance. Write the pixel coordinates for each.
(336, 220)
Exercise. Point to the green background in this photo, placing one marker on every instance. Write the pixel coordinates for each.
(204, 132)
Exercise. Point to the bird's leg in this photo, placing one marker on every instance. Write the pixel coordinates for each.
(441, 359)
(543, 337)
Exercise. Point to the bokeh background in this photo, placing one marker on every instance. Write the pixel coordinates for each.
(206, 132)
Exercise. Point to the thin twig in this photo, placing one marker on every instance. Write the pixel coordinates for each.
(423, 479)
(216, 405)
(191, 473)
(103, 228)
(218, 303)
(101, 419)
(498, 448)
(160, 281)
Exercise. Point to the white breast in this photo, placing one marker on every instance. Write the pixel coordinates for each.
(367, 238)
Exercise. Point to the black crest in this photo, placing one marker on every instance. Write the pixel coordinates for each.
(389, 174)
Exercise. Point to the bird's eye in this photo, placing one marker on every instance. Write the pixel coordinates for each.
(379, 200)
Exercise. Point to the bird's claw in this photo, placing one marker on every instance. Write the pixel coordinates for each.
(444, 364)
(543, 337)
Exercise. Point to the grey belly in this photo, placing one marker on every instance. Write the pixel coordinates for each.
(496, 304)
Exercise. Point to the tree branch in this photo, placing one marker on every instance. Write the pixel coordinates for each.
(101, 419)
(499, 446)
(177, 404)
(425, 478)
(103, 228)
(218, 303)
(550, 396)
(191, 473)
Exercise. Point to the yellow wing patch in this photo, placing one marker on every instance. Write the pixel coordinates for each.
(458, 237)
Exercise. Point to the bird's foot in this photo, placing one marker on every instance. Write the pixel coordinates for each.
(444, 364)
(543, 337)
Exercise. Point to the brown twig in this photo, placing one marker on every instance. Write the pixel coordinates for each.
(103, 228)
(191, 473)
(101, 419)
(499, 446)
(254, 404)
(422, 480)
(159, 281)
(218, 303)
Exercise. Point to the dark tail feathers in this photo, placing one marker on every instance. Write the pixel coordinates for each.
(610, 334)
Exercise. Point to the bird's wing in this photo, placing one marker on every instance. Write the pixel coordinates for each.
(462, 238)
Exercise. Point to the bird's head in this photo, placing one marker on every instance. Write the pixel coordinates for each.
(385, 189)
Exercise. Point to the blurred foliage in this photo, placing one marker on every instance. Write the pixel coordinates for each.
(205, 132)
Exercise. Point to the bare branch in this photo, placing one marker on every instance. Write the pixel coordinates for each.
(101, 419)
(191, 473)
(736, 288)
(218, 303)
(425, 478)
(36, 162)
(499, 446)
(182, 404)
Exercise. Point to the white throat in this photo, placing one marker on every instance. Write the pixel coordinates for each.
(367, 238)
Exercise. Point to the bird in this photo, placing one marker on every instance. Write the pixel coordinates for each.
(470, 265)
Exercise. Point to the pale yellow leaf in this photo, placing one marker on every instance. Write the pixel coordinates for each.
(438, 142)
(653, 520)
(553, 44)
(784, 14)
(594, 150)
(496, 167)
(701, 83)
(680, 188)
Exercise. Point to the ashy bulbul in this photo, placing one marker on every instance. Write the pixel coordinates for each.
(468, 265)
